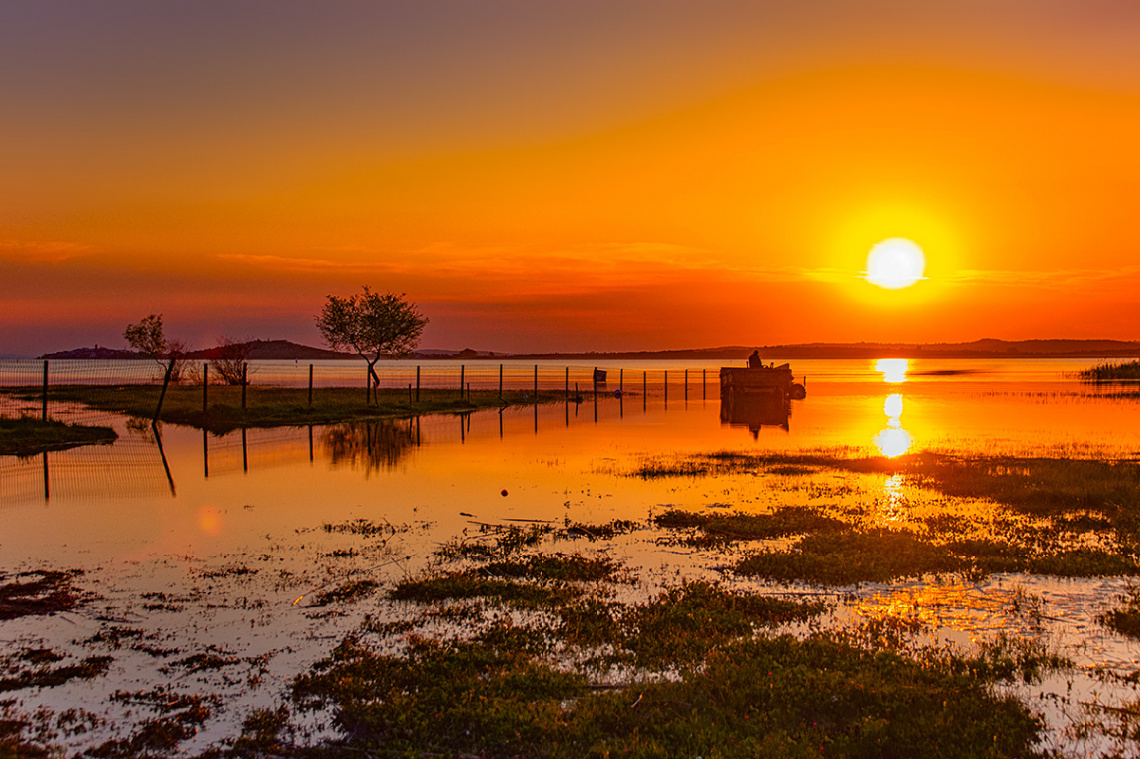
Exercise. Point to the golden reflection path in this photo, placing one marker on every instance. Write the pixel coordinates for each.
(894, 440)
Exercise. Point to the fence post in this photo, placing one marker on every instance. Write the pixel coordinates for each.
(244, 382)
(595, 385)
(621, 381)
(644, 388)
(666, 387)
(500, 382)
(310, 385)
(205, 387)
(409, 393)
(536, 383)
(162, 395)
(686, 384)
(462, 371)
(704, 385)
(45, 389)
(417, 384)
(567, 384)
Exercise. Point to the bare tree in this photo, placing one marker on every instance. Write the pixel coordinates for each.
(374, 325)
(229, 360)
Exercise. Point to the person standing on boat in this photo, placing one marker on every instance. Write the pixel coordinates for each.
(754, 361)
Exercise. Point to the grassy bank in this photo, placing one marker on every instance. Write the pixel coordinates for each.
(27, 436)
(276, 406)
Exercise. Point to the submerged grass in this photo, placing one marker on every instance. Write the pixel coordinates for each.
(27, 436)
(1107, 372)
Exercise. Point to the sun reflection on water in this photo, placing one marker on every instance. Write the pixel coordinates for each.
(894, 440)
(893, 369)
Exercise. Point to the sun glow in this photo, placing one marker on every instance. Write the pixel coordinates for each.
(895, 263)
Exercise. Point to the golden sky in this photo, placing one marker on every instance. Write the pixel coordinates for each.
(586, 175)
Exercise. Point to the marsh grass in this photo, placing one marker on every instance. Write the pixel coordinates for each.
(38, 592)
(1125, 618)
(27, 436)
(754, 696)
(278, 406)
(1112, 371)
(1064, 517)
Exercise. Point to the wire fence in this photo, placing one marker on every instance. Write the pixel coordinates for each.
(83, 391)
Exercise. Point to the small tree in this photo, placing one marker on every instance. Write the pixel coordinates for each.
(229, 360)
(373, 325)
(148, 339)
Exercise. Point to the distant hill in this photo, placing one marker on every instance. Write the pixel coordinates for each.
(283, 350)
(987, 348)
(276, 350)
(92, 353)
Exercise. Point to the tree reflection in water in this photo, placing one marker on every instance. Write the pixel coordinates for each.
(375, 444)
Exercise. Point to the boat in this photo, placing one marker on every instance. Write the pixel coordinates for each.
(760, 380)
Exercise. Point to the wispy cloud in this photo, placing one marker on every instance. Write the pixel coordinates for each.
(1064, 279)
(43, 251)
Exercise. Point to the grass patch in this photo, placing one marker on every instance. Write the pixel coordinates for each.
(753, 697)
(850, 558)
(721, 528)
(472, 584)
(1125, 618)
(27, 436)
(277, 406)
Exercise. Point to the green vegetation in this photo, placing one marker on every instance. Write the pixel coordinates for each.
(1125, 619)
(702, 675)
(26, 436)
(278, 406)
(1110, 372)
(1064, 517)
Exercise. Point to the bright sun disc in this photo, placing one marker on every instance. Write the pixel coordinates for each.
(895, 263)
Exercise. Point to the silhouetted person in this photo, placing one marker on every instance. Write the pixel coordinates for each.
(754, 361)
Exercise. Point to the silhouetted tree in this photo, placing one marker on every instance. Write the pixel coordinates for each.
(148, 339)
(229, 359)
(374, 325)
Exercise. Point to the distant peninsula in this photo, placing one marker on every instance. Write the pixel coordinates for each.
(284, 350)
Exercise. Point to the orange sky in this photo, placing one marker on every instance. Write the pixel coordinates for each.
(570, 176)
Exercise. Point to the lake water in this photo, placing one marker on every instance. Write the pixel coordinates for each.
(206, 543)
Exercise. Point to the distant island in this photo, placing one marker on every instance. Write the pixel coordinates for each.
(284, 350)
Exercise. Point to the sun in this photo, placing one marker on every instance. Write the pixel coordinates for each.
(895, 263)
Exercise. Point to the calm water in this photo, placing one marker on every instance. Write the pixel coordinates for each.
(228, 528)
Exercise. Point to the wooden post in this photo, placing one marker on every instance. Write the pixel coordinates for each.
(621, 381)
(162, 395)
(666, 387)
(417, 384)
(310, 386)
(568, 384)
(644, 388)
(45, 406)
(704, 385)
(205, 387)
(500, 384)
(244, 382)
(462, 371)
(536, 383)
(409, 393)
(595, 384)
(686, 384)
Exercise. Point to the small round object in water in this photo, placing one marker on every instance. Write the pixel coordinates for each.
(503, 493)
